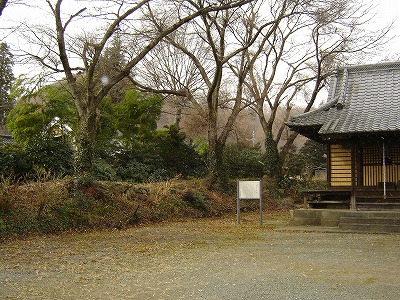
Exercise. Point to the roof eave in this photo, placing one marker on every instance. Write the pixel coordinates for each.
(310, 132)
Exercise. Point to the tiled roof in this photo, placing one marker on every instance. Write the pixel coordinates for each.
(362, 99)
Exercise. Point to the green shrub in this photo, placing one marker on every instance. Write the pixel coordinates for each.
(178, 155)
(167, 155)
(103, 170)
(40, 155)
(51, 153)
(291, 188)
(196, 200)
(14, 161)
(134, 171)
(241, 161)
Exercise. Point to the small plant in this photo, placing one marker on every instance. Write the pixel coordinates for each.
(196, 200)
(84, 179)
(80, 183)
(103, 170)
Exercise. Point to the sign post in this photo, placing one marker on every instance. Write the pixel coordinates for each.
(249, 190)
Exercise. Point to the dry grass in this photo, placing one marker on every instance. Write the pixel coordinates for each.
(51, 207)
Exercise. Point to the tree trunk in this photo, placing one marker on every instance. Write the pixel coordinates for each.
(85, 139)
(216, 177)
(178, 117)
(3, 4)
(293, 135)
(273, 163)
(286, 148)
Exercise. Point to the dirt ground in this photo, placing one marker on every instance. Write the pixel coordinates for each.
(202, 259)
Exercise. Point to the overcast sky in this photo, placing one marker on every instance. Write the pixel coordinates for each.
(386, 11)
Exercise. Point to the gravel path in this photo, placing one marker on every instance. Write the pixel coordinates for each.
(203, 259)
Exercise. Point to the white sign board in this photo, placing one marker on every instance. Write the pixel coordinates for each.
(249, 189)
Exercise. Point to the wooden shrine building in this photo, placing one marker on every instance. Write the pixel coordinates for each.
(360, 123)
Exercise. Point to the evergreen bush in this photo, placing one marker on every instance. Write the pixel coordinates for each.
(241, 161)
(39, 155)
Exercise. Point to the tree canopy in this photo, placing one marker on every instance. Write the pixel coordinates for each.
(48, 112)
(209, 55)
(6, 81)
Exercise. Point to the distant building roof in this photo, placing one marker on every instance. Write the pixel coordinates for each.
(6, 139)
(362, 100)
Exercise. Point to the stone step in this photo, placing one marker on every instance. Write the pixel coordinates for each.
(375, 222)
(373, 228)
(343, 219)
(377, 206)
(370, 220)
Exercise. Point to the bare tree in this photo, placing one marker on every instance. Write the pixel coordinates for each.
(302, 52)
(69, 49)
(338, 37)
(210, 43)
(3, 4)
(167, 70)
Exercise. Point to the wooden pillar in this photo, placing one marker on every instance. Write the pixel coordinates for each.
(353, 176)
(384, 168)
(305, 200)
(328, 166)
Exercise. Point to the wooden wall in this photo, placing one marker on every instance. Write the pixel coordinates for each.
(372, 163)
(340, 165)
